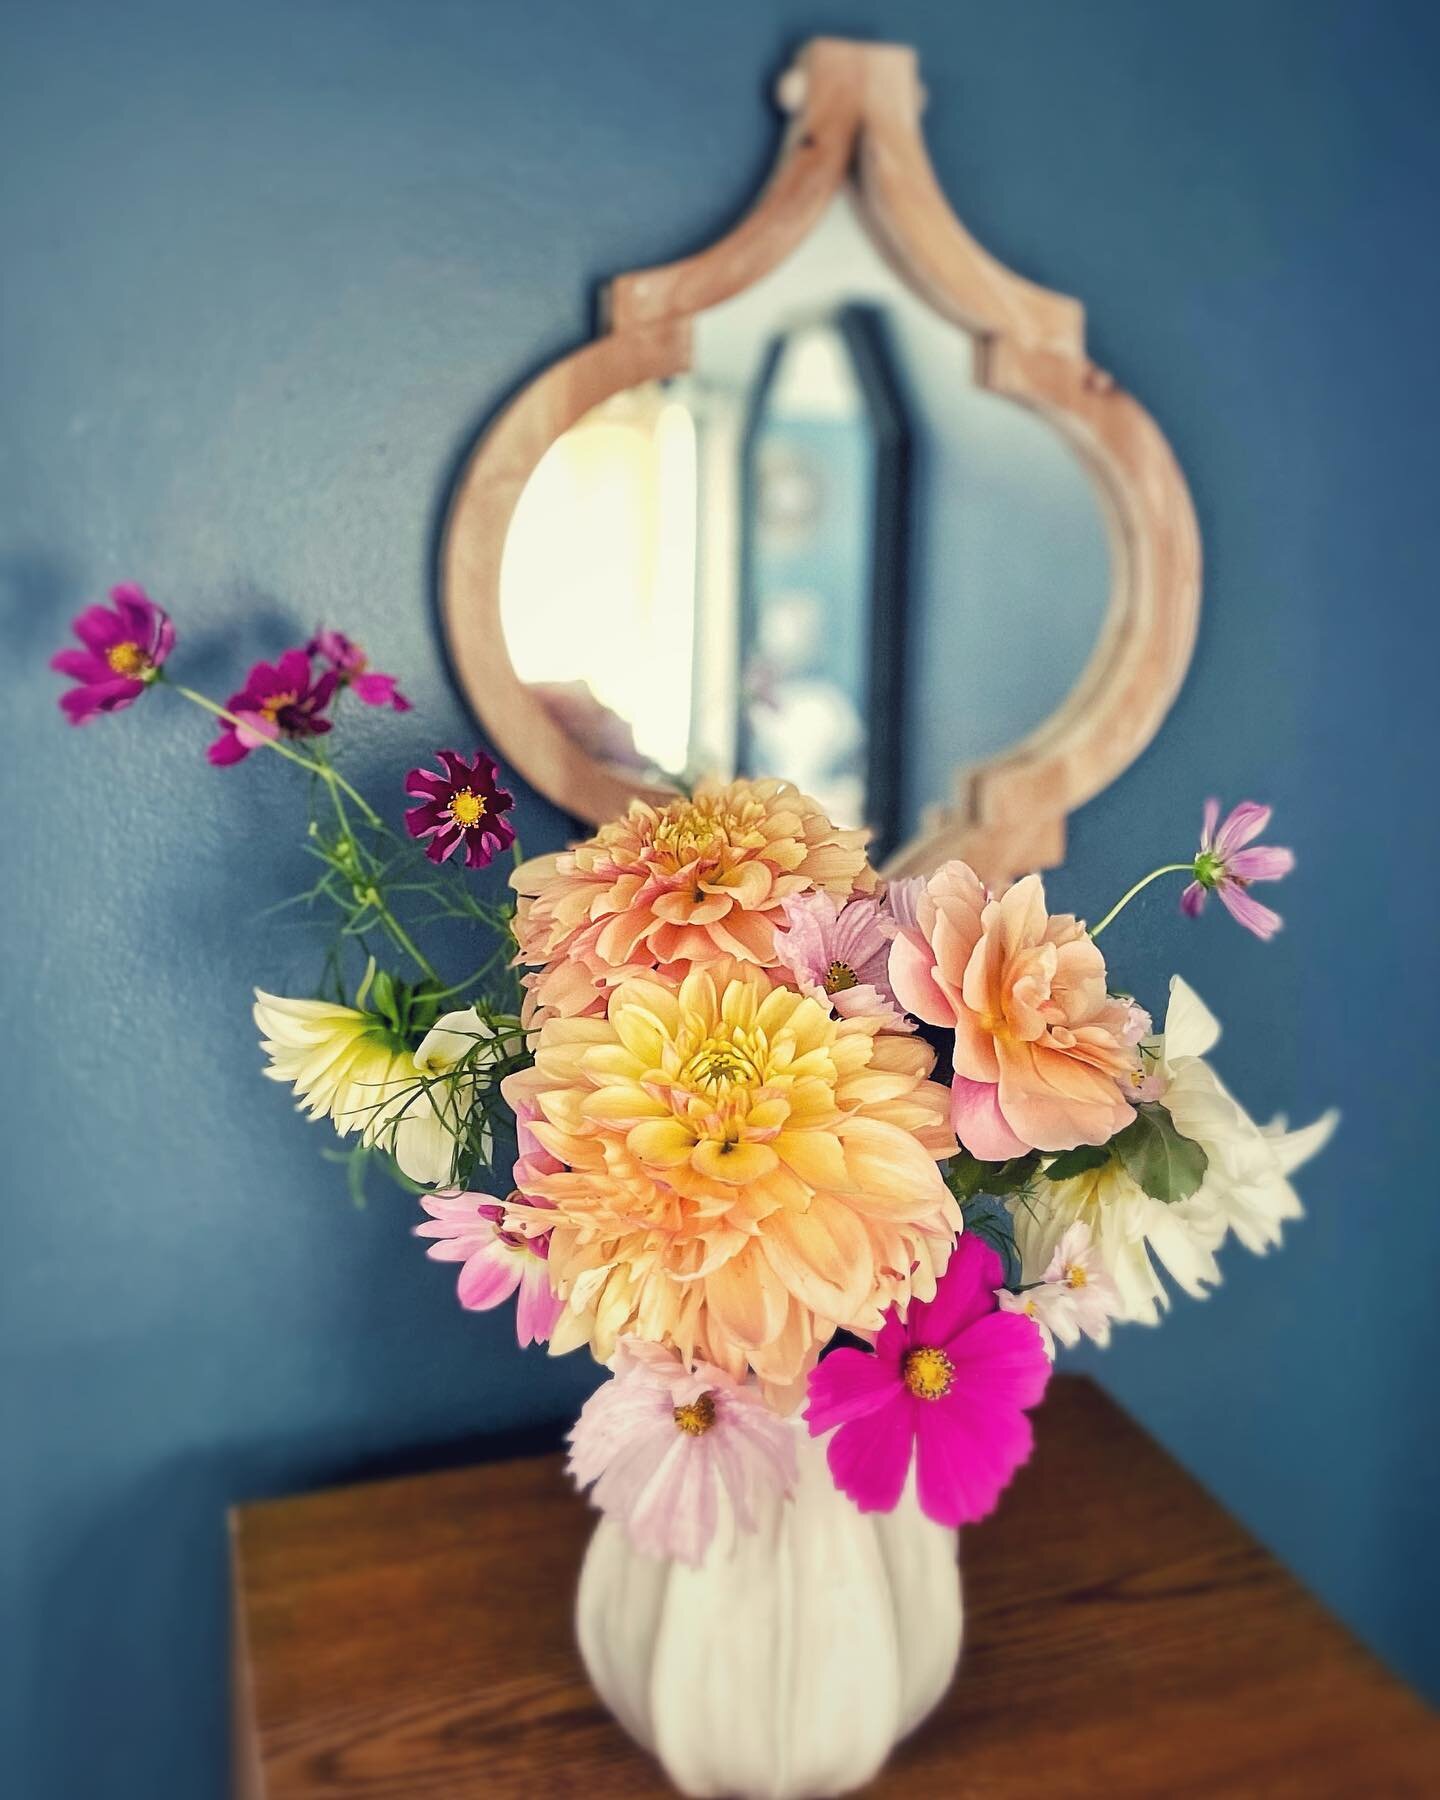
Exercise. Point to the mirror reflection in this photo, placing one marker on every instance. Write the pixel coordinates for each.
(822, 552)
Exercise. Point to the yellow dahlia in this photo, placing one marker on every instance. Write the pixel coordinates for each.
(743, 1172)
(678, 886)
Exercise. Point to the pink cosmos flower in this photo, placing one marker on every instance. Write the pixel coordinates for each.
(839, 954)
(1042, 1049)
(279, 700)
(125, 646)
(462, 807)
(532, 1160)
(352, 669)
(662, 1437)
(1076, 1297)
(901, 899)
(1225, 865)
(470, 1229)
(949, 1385)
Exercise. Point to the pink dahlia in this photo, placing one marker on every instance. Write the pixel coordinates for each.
(840, 955)
(284, 699)
(949, 1385)
(352, 670)
(470, 1229)
(462, 807)
(660, 1440)
(124, 648)
(1228, 862)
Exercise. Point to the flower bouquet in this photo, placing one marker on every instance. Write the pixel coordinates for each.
(822, 1168)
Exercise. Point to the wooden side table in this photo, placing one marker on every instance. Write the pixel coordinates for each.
(412, 1640)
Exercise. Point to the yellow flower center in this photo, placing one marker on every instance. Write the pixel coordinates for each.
(1075, 1276)
(838, 977)
(272, 708)
(128, 659)
(685, 832)
(467, 808)
(929, 1374)
(696, 1418)
(722, 1063)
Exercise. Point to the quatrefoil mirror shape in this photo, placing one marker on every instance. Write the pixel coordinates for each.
(839, 499)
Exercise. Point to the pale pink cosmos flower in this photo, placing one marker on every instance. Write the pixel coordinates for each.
(1228, 862)
(1075, 1297)
(839, 954)
(662, 1438)
(532, 1160)
(1023, 1303)
(470, 1229)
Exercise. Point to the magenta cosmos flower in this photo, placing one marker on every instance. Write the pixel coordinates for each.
(352, 670)
(662, 1438)
(840, 955)
(470, 1229)
(1227, 863)
(463, 805)
(948, 1384)
(279, 700)
(125, 646)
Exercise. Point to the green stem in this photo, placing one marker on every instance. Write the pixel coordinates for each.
(1125, 899)
(372, 894)
(331, 777)
(337, 785)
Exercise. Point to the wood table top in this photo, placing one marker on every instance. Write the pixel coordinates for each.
(412, 1640)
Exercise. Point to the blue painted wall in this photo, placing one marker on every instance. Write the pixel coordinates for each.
(265, 269)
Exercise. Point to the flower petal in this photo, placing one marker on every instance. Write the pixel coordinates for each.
(869, 1457)
(976, 1119)
(1248, 911)
(1245, 823)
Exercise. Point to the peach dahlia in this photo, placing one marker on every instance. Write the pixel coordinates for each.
(743, 1172)
(676, 886)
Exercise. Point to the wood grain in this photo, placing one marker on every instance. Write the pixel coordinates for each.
(856, 123)
(411, 1640)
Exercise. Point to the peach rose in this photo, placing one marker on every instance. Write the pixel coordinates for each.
(1041, 1048)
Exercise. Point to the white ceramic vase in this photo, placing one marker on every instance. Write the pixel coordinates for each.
(787, 1664)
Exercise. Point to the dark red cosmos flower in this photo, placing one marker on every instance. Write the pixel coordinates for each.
(125, 645)
(353, 671)
(279, 700)
(464, 805)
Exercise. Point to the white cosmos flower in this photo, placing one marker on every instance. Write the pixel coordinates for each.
(425, 1127)
(346, 1067)
(1245, 1188)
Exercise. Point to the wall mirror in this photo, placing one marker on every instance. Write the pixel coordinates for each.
(839, 499)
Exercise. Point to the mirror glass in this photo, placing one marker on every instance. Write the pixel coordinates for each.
(821, 553)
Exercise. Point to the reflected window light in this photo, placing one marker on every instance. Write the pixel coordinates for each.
(605, 531)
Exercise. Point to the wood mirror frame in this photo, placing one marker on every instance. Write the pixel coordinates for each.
(854, 118)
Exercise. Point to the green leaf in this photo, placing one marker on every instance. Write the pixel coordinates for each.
(965, 1175)
(384, 998)
(968, 1176)
(1167, 1166)
(1079, 1161)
